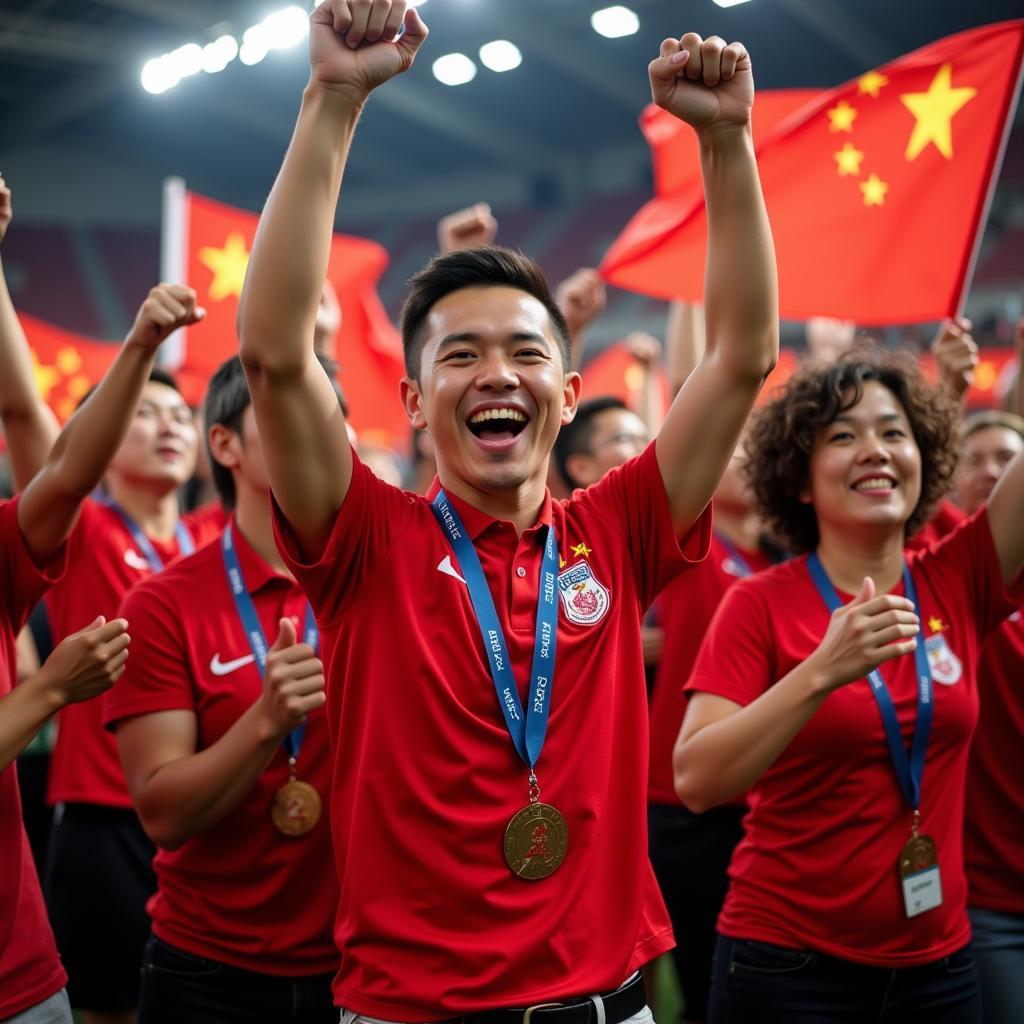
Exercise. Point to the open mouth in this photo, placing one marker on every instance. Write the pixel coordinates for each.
(497, 425)
(875, 484)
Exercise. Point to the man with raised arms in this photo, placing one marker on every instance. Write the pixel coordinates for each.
(491, 855)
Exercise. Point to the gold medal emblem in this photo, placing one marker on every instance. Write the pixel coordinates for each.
(296, 808)
(536, 841)
(918, 854)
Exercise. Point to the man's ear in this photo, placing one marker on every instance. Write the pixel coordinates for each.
(571, 393)
(412, 400)
(225, 445)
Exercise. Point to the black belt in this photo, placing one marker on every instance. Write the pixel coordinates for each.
(619, 1005)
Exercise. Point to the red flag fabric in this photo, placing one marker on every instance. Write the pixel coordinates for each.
(876, 190)
(219, 240)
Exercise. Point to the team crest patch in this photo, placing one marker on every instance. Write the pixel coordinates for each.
(946, 666)
(584, 599)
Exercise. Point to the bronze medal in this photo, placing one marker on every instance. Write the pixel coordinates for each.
(536, 841)
(296, 808)
(918, 854)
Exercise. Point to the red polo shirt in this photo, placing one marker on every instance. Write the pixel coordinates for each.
(103, 562)
(685, 609)
(241, 892)
(817, 866)
(994, 822)
(30, 970)
(432, 923)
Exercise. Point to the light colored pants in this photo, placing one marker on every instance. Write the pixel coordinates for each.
(55, 1010)
(349, 1017)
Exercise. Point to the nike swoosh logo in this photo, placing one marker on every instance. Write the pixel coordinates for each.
(445, 566)
(222, 668)
(135, 560)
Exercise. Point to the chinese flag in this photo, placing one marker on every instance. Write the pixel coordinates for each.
(876, 190)
(616, 373)
(218, 242)
(66, 365)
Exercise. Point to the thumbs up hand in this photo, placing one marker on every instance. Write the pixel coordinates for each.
(293, 683)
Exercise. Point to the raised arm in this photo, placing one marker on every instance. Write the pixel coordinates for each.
(956, 356)
(352, 49)
(1006, 518)
(75, 465)
(710, 86)
(582, 298)
(29, 426)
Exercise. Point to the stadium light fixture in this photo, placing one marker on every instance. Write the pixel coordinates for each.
(219, 54)
(500, 55)
(730, 3)
(454, 69)
(615, 22)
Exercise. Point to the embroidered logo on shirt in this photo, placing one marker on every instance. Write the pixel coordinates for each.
(445, 566)
(135, 560)
(223, 668)
(585, 599)
(946, 666)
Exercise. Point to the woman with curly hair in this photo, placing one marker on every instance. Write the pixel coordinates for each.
(841, 687)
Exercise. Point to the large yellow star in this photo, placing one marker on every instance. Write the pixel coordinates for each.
(874, 190)
(871, 83)
(934, 111)
(581, 550)
(46, 377)
(228, 266)
(848, 159)
(841, 117)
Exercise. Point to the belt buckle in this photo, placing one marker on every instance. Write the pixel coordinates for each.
(529, 1011)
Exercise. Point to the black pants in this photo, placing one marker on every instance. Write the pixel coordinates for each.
(759, 983)
(182, 988)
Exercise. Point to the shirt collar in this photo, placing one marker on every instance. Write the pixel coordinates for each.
(256, 572)
(476, 521)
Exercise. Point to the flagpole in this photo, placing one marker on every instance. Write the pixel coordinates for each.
(174, 260)
(997, 163)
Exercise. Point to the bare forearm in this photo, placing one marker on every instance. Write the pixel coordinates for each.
(725, 758)
(23, 712)
(684, 342)
(740, 289)
(286, 272)
(189, 796)
(29, 426)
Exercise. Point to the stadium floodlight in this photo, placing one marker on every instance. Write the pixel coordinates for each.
(158, 75)
(454, 69)
(255, 45)
(500, 55)
(186, 60)
(285, 28)
(730, 3)
(615, 22)
(219, 54)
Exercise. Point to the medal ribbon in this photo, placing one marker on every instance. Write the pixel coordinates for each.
(909, 771)
(527, 728)
(186, 545)
(734, 554)
(254, 631)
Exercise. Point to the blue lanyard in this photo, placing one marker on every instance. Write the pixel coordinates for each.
(528, 728)
(734, 554)
(909, 772)
(254, 631)
(186, 545)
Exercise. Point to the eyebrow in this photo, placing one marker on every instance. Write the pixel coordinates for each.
(475, 336)
(855, 420)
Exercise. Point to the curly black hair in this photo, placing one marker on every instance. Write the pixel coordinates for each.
(782, 435)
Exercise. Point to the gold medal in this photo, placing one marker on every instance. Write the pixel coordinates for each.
(296, 808)
(536, 841)
(918, 854)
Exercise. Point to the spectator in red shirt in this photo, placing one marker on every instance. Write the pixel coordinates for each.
(848, 895)
(206, 733)
(994, 821)
(456, 899)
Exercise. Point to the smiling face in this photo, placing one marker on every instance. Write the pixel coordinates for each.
(161, 444)
(986, 453)
(865, 468)
(492, 390)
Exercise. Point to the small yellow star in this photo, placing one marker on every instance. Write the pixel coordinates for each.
(68, 361)
(78, 387)
(869, 84)
(581, 550)
(874, 190)
(562, 563)
(841, 117)
(228, 266)
(936, 625)
(848, 159)
(934, 111)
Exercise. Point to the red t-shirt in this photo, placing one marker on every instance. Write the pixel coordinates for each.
(947, 517)
(241, 892)
(685, 609)
(994, 822)
(432, 923)
(103, 562)
(817, 866)
(30, 970)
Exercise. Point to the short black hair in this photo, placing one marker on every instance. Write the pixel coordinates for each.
(157, 375)
(227, 398)
(484, 266)
(576, 438)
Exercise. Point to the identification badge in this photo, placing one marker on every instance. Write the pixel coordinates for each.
(919, 874)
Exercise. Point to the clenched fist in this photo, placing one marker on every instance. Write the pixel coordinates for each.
(167, 307)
